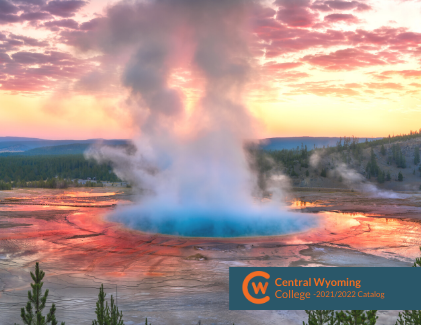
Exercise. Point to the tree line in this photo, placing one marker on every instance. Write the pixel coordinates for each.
(51, 171)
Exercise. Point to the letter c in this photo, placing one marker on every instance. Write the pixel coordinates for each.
(245, 287)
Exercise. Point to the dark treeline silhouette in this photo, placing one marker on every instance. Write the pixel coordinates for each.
(51, 171)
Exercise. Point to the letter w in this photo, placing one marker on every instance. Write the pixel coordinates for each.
(259, 287)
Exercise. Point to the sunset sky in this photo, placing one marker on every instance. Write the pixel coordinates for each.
(321, 68)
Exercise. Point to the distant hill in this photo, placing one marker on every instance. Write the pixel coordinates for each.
(11, 146)
(8, 139)
(68, 149)
(14, 145)
(294, 142)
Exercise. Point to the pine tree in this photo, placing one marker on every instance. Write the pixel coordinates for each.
(114, 318)
(382, 177)
(372, 168)
(106, 315)
(101, 308)
(320, 317)
(411, 317)
(416, 155)
(357, 317)
(383, 150)
(32, 314)
(400, 177)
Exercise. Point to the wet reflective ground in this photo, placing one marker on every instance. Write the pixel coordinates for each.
(175, 280)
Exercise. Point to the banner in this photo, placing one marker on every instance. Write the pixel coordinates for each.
(324, 288)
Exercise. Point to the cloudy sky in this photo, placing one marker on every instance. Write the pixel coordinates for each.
(320, 68)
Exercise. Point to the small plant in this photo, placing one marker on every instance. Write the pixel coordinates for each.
(32, 314)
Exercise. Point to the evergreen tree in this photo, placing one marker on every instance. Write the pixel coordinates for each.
(323, 173)
(400, 177)
(32, 314)
(372, 168)
(382, 177)
(320, 317)
(104, 314)
(416, 155)
(307, 173)
(388, 178)
(398, 157)
(383, 150)
(409, 317)
(357, 317)
(115, 317)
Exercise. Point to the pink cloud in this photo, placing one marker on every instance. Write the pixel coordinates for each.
(351, 58)
(282, 66)
(340, 5)
(295, 13)
(323, 89)
(348, 18)
(64, 8)
(403, 73)
(65, 23)
(384, 85)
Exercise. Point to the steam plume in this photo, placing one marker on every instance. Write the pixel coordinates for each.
(354, 179)
(191, 168)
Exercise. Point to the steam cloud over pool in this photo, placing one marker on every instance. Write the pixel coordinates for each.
(188, 162)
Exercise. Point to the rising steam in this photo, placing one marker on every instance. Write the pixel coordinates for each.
(190, 166)
(355, 180)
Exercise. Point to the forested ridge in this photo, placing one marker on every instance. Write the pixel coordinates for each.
(36, 168)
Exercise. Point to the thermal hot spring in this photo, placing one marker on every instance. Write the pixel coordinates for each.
(195, 220)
